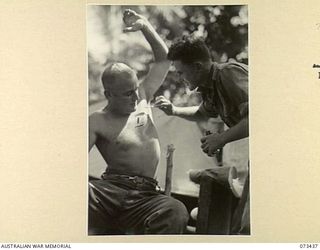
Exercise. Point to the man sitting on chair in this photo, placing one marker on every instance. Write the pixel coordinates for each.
(126, 137)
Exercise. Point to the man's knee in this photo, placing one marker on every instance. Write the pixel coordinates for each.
(171, 217)
(177, 212)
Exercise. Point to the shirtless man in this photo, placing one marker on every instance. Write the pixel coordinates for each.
(125, 136)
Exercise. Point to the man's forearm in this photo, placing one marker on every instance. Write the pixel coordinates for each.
(237, 132)
(188, 113)
(158, 46)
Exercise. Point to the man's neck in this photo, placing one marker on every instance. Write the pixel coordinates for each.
(113, 112)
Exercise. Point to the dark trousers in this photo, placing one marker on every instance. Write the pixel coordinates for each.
(121, 204)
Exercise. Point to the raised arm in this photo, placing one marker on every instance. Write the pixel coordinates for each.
(159, 69)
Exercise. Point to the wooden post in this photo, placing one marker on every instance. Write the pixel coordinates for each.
(168, 184)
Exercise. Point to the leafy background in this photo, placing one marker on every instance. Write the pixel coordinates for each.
(224, 28)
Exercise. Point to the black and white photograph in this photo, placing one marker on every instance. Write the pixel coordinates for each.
(168, 120)
(126, 124)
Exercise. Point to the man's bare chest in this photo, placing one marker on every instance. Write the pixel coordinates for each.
(136, 129)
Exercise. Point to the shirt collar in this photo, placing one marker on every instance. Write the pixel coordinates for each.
(208, 84)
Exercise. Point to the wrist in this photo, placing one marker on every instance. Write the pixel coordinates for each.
(223, 139)
(175, 110)
(145, 25)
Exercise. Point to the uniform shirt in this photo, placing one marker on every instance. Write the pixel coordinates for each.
(226, 93)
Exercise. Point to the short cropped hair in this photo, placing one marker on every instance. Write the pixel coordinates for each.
(114, 72)
(189, 49)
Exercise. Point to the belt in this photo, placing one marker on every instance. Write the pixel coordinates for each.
(134, 179)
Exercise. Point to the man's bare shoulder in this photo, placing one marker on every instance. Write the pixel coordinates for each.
(97, 114)
(98, 118)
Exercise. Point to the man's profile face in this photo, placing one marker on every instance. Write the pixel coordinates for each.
(123, 96)
(188, 74)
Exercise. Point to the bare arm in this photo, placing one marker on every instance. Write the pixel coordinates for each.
(237, 132)
(211, 143)
(189, 113)
(92, 132)
(159, 69)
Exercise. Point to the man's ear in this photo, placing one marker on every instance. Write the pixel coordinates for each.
(198, 66)
(107, 93)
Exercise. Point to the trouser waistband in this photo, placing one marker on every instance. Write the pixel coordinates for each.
(136, 179)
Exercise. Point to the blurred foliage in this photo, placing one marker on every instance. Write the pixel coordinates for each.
(225, 29)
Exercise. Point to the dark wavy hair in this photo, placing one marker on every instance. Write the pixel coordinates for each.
(189, 49)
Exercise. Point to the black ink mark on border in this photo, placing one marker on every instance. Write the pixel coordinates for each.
(316, 66)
